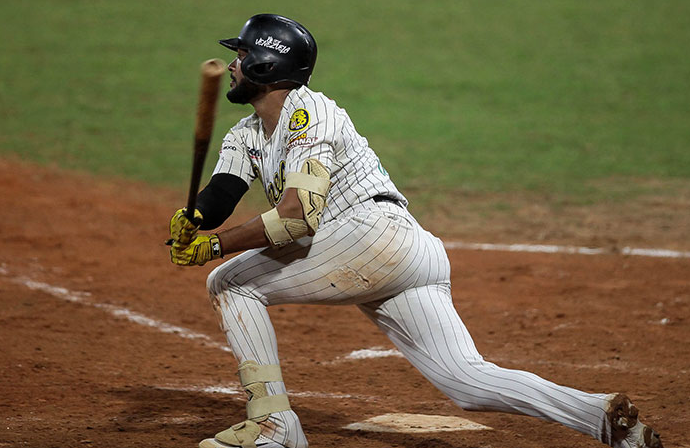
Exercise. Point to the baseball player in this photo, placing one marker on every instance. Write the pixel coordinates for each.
(339, 232)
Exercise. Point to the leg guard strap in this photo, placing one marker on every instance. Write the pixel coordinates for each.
(250, 372)
(260, 408)
(243, 434)
(253, 378)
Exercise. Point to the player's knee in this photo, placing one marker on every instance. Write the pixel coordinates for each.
(224, 290)
(221, 277)
(213, 282)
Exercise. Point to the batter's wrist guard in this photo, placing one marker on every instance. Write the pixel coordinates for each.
(282, 231)
(203, 249)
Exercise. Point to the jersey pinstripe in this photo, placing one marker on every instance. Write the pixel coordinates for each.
(380, 259)
(367, 253)
(325, 133)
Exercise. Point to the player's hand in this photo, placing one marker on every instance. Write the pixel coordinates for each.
(202, 249)
(182, 230)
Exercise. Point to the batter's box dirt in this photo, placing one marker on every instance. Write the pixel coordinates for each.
(74, 375)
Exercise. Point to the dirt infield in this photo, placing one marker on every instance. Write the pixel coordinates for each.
(105, 343)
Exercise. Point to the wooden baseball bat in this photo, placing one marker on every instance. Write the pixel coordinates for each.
(211, 72)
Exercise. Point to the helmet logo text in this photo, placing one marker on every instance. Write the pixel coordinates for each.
(273, 44)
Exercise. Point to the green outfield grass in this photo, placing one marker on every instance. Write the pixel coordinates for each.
(455, 96)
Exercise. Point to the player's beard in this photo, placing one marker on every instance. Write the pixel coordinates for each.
(243, 92)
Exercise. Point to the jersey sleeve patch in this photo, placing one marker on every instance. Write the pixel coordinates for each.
(298, 120)
(231, 143)
(300, 140)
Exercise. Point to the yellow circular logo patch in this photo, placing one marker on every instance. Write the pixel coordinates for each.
(299, 120)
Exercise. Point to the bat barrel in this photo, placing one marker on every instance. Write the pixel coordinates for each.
(211, 73)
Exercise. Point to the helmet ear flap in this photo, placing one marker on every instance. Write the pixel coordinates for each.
(264, 68)
(256, 68)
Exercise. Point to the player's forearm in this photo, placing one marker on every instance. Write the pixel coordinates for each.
(252, 234)
(249, 235)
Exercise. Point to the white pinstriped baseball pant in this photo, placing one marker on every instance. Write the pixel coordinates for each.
(380, 259)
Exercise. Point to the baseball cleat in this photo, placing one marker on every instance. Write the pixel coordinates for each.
(626, 430)
(215, 443)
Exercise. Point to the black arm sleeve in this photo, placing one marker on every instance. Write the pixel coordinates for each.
(218, 199)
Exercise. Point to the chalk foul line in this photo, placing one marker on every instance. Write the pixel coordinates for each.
(237, 390)
(164, 327)
(185, 333)
(132, 316)
(367, 353)
(382, 423)
(577, 250)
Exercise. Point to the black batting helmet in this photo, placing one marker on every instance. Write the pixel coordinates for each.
(279, 49)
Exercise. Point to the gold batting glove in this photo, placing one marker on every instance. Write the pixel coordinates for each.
(182, 230)
(202, 249)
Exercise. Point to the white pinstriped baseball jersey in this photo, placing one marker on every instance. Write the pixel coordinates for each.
(310, 126)
(367, 253)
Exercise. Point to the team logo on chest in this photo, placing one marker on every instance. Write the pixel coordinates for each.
(299, 120)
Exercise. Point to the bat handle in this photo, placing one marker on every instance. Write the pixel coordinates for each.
(197, 164)
(211, 72)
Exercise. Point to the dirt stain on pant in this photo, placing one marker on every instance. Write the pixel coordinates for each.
(345, 278)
